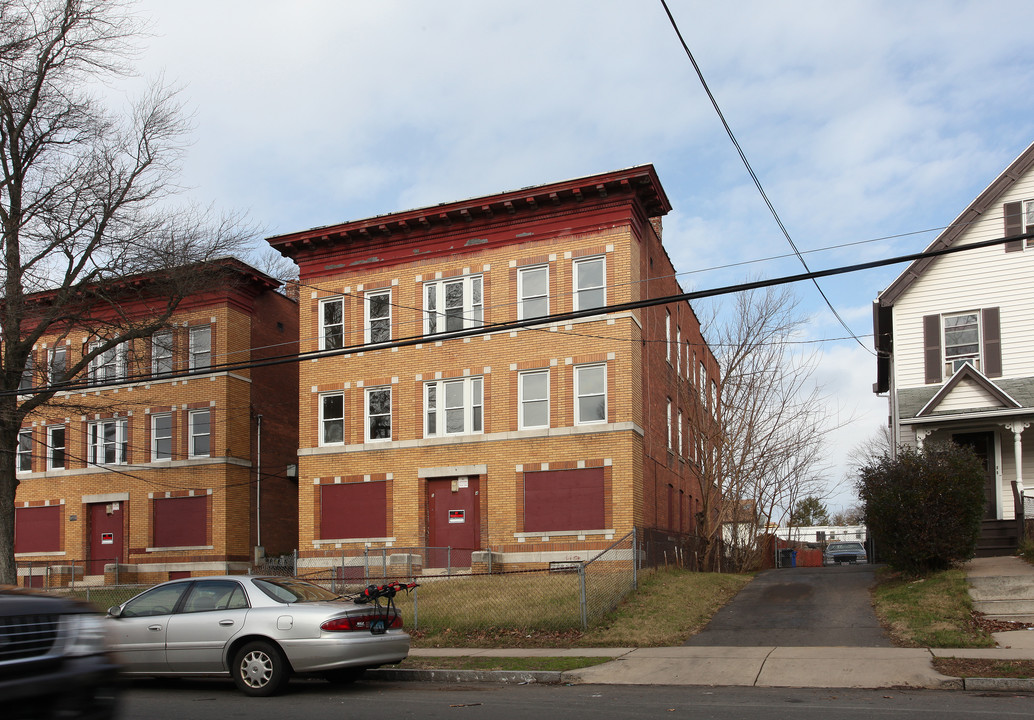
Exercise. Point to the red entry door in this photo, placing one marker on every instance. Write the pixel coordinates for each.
(453, 521)
(106, 536)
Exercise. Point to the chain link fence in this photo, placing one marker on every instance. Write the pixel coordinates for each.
(566, 596)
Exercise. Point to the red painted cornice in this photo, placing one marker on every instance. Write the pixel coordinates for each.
(569, 207)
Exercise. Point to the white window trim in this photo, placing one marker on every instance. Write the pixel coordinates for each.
(671, 428)
(20, 453)
(521, 399)
(154, 437)
(368, 321)
(678, 351)
(577, 290)
(52, 370)
(51, 446)
(323, 325)
(976, 357)
(95, 441)
(155, 356)
(367, 416)
(193, 353)
(441, 409)
(473, 314)
(323, 420)
(522, 298)
(667, 336)
(578, 394)
(681, 446)
(118, 360)
(192, 435)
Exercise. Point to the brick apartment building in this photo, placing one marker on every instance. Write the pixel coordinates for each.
(142, 466)
(427, 421)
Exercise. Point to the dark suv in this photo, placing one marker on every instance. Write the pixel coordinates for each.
(54, 659)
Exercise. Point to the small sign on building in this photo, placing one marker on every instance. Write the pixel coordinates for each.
(457, 516)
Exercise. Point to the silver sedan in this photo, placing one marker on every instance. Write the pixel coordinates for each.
(260, 630)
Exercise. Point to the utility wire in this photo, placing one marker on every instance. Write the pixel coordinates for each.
(754, 177)
(558, 318)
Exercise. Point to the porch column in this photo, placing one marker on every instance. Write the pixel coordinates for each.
(921, 435)
(1017, 429)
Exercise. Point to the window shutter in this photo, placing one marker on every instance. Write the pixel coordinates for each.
(932, 348)
(1013, 225)
(992, 334)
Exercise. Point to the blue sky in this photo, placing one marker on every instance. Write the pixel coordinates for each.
(863, 120)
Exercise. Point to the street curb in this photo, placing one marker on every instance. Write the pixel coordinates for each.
(509, 677)
(1006, 684)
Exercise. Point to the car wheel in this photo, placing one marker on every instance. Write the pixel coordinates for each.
(259, 669)
(344, 676)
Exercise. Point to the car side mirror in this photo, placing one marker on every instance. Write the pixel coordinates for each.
(114, 611)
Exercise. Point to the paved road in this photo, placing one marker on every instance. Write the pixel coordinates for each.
(219, 700)
(799, 607)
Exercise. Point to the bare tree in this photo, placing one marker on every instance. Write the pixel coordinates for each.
(767, 437)
(84, 206)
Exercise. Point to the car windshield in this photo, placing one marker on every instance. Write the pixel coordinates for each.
(286, 590)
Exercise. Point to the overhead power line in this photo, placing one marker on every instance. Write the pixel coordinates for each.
(755, 178)
(557, 318)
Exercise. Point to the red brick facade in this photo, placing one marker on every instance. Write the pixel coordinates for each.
(127, 448)
(484, 410)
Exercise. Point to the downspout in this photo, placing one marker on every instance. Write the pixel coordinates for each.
(258, 482)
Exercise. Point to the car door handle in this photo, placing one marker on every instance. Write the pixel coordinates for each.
(226, 622)
(155, 628)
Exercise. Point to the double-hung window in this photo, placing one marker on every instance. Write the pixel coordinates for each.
(678, 351)
(24, 456)
(454, 407)
(200, 433)
(108, 366)
(590, 389)
(200, 347)
(590, 283)
(161, 437)
(332, 419)
(671, 428)
(378, 414)
(25, 383)
(532, 292)
(451, 305)
(56, 447)
(667, 336)
(58, 364)
(962, 340)
(332, 323)
(378, 316)
(161, 353)
(108, 442)
(534, 399)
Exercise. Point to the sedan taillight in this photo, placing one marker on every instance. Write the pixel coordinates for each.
(360, 623)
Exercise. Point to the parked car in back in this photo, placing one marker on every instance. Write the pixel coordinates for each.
(54, 658)
(258, 630)
(844, 552)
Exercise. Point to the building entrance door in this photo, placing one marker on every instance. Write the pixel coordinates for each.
(106, 536)
(453, 521)
(983, 444)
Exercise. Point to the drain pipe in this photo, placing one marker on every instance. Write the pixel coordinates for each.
(258, 483)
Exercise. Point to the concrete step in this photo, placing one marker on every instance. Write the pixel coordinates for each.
(1014, 587)
(1005, 609)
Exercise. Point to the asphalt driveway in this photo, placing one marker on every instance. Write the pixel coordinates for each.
(799, 607)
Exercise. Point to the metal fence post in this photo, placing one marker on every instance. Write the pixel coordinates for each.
(581, 599)
(448, 561)
(116, 570)
(384, 562)
(635, 560)
(416, 608)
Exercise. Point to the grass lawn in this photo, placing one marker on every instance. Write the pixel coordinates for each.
(535, 611)
(933, 611)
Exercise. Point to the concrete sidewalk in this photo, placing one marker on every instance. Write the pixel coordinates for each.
(812, 667)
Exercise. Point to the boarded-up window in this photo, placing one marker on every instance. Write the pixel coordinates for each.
(181, 521)
(37, 529)
(354, 510)
(564, 500)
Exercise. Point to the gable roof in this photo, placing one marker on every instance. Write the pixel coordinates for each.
(968, 372)
(987, 199)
